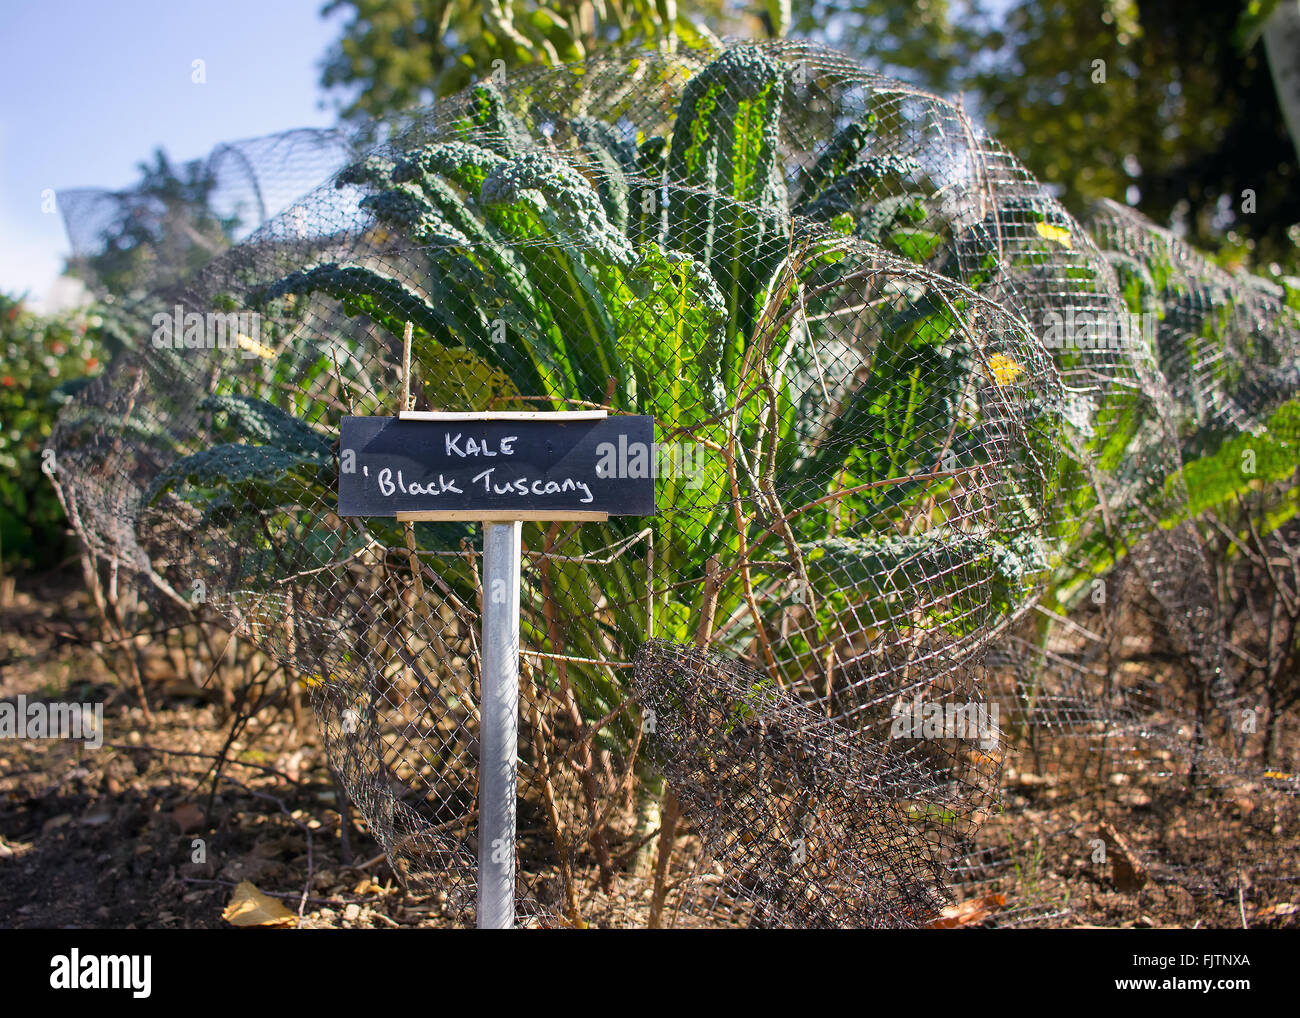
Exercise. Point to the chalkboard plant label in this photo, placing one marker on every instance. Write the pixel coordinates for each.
(521, 466)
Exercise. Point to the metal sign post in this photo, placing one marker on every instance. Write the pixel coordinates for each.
(499, 469)
(498, 755)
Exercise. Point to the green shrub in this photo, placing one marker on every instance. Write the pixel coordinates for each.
(44, 360)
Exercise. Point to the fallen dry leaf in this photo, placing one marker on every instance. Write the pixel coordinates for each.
(1282, 908)
(1126, 869)
(54, 823)
(966, 912)
(187, 817)
(250, 907)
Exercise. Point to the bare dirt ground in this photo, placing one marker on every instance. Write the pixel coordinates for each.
(109, 837)
(142, 833)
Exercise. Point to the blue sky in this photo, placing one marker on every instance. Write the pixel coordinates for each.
(89, 89)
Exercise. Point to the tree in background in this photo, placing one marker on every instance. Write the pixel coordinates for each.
(932, 43)
(393, 55)
(1187, 115)
(161, 228)
(1181, 117)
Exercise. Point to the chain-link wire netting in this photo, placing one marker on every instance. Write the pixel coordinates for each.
(909, 416)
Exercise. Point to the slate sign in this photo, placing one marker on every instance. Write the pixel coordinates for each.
(540, 468)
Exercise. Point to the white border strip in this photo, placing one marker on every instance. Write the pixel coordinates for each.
(503, 415)
(502, 515)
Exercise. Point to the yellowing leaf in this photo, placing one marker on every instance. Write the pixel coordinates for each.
(454, 375)
(253, 346)
(1003, 370)
(1056, 234)
(250, 907)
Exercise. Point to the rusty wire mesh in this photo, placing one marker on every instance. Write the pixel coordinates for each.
(906, 425)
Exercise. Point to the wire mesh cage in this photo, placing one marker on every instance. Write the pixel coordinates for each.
(906, 408)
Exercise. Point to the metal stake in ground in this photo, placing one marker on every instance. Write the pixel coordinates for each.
(499, 726)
